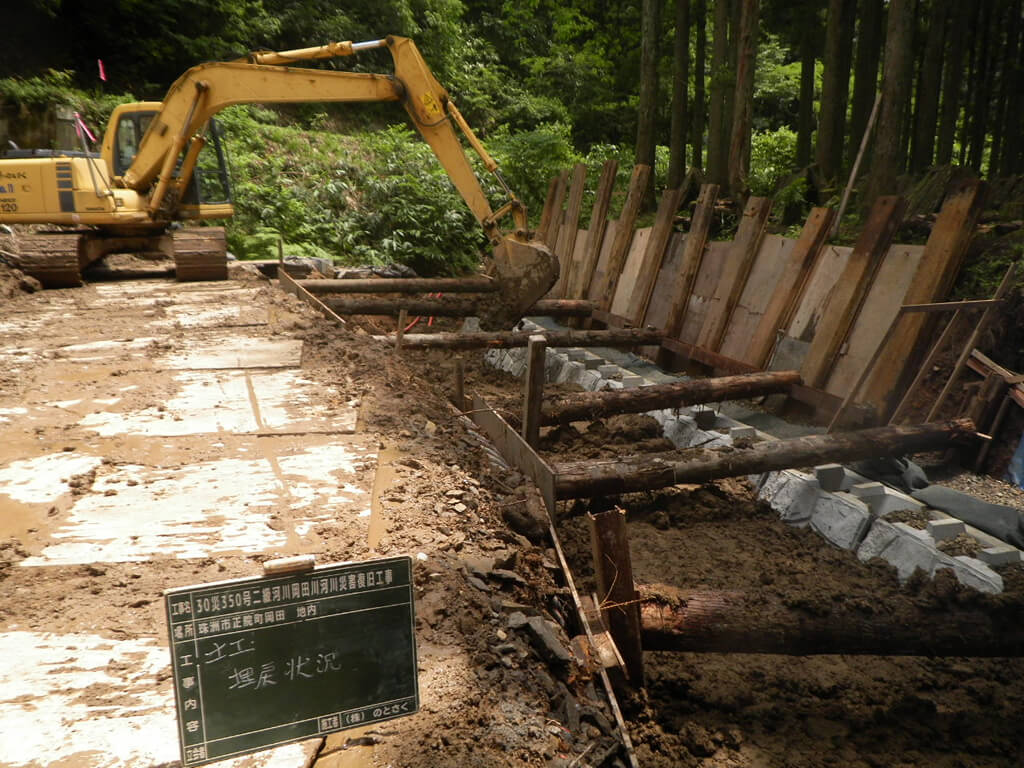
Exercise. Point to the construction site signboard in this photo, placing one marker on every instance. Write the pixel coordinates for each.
(263, 661)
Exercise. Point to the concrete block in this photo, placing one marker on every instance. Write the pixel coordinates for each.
(590, 379)
(630, 381)
(571, 372)
(553, 364)
(680, 431)
(609, 370)
(593, 361)
(841, 519)
(792, 494)
(832, 477)
(612, 384)
(743, 433)
(942, 530)
(884, 500)
(576, 354)
(909, 549)
(974, 573)
(705, 417)
(1000, 555)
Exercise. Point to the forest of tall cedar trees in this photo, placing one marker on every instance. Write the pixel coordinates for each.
(684, 83)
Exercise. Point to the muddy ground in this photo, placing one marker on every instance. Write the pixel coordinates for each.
(498, 695)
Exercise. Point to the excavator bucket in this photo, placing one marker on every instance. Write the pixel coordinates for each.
(525, 272)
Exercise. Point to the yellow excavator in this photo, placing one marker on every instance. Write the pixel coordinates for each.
(126, 198)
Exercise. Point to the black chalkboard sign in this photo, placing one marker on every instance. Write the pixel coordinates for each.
(268, 660)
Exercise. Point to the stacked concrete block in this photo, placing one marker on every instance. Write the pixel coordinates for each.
(631, 381)
(571, 372)
(794, 495)
(833, 477)
(576, 354)
(1000, 555)
(909, 549)
(743, 432)
(884, 500)
(705, 417)
(553, 364)
(841, 519)
(943, 530)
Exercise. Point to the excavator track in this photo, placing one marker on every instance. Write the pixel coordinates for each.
(200, 253)
(52, 259)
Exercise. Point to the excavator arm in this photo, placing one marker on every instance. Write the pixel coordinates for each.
(267, 77)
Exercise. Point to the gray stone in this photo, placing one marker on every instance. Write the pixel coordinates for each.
(742, 433)
(544, 637)
(974, 573)
(1000, 555)
(942, 530)
(592, 361)
(630, 381)
(576, 354)
(516, 620)
(832, 477)
(608, 370)
(680, 431)
(590, 380)
(571, 372)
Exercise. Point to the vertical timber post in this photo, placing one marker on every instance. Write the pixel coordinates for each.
(460, 383)
(613, 570)
(534, 389)
(403, 320)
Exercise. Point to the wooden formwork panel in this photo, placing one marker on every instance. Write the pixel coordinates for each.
(630, 271)
(704, 289)
(597, 281)
(661, 298)
(826, 274)
(879, 310)
(761, 284)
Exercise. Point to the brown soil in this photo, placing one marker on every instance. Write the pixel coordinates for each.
(496, 698)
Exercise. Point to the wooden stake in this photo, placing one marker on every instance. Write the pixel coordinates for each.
(654, 255)
(533, 394)
(623, 235)
(613, 572)
(460, 383)
(570, 229)
(403, 320)
(596, 232)
(856, 163)
(972, 342)
(926, 366)
(693, 255)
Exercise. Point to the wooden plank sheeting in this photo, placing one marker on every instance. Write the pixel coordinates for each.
(548, 210)
(623, 235)
(653, 255)
(943, 255)
(630, 271)
(735, 270)
(847, 297)
(555, 224)
(515, 450)
(570, 229)
(703, 291)
(693, 255)
(658, 308)
(764, 276)
(596, 234)
(790, 288)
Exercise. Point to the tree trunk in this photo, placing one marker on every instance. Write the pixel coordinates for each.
(1013, 141)
(865, 73)
(809, 37)
(699, 105)
(591, 478)
(588, 406)
(888, 160)
(764, 622)
(743, 103)
(453, 307)
(631, 337)
(680, 96)
(647, 109)
(832, 115)
(982, 87)
(927, 113)
(952, 82)
(721, 91)
(1003, 129)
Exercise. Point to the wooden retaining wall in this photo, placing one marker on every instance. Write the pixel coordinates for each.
(767, 301)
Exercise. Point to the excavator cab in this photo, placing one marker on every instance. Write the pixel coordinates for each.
(207, 194)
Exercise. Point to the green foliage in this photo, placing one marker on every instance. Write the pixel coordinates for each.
(52, 87)
(375, 197)
(771, 160)
(530, 159)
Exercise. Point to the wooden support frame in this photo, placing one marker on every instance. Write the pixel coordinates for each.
(693, 255)
(654, 255)
(847, 297)
(736, 269)
(533, 389)
(570, 229)
(596, 232)
(617, 596)
(551, 227)
(623, 235)
(290, 285)
(515, 450)
(790, 288)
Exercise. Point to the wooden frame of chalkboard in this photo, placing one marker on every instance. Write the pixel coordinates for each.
(267, 660)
